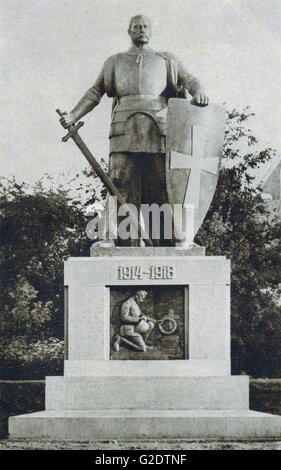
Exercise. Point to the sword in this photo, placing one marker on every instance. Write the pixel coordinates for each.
(73, 133)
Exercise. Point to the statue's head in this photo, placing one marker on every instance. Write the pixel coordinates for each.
(140, 29)
(140, 295)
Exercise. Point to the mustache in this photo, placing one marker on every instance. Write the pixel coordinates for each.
(143, 34)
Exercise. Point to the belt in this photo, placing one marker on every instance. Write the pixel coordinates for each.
(132, 104)
(141, 98)
(124, 99)
(141, 102)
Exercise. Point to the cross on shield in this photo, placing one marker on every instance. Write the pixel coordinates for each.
(196, 163)
(195, 138)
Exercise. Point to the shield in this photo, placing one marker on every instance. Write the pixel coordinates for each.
(195, 137)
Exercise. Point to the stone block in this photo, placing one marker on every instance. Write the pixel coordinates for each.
(145, 424)
(91, 283)
(88, 322)
(179, 368)
(195, 250)
(185, 270)
(209, 321)
(147, 393)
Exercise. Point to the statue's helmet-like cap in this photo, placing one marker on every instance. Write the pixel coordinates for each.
(136, 17)
(141, 293)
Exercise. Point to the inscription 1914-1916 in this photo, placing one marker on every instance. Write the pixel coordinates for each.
(136, 272)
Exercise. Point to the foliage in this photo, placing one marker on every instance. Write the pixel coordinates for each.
(26, 348)
(19, 397)
(265, 395)
(22, 359)
(40, 228)
(26, 316)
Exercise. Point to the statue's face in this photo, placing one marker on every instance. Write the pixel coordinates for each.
(140, 30)
(140, 296)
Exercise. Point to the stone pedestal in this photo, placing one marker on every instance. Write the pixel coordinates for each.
(105, 395)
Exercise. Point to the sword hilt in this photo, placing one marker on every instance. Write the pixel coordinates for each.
(72, 129)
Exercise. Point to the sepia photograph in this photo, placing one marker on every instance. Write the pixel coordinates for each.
(140, 228)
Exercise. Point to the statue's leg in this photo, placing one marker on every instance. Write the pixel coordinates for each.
(132, 338)
(154, 190)
(148, 333)
(132, 342)
(123, 171)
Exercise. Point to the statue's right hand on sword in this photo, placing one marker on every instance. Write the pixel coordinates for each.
(67, 120)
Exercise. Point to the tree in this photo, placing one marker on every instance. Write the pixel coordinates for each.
(239, 226)
(40, 228)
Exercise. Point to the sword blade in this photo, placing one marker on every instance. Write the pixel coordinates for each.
(107, 182)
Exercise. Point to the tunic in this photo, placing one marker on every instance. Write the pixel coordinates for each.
(140, 83)
(130, 311)
(132, 326)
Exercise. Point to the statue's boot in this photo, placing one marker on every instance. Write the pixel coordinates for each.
(133, 345)
(116, 344)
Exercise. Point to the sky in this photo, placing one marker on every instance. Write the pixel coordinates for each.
(53, 50)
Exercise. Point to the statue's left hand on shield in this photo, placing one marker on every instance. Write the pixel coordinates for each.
(201, 98)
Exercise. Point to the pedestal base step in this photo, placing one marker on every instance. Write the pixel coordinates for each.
(144, 424)
(145, 393)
